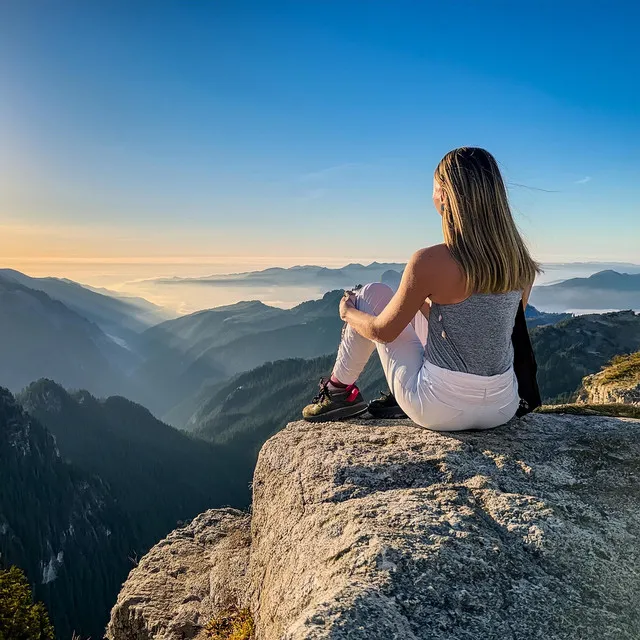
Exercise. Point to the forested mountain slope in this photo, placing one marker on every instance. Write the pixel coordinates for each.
(184, 354)
(573, 348)
(252, 405)
(118, 316)
(62, 526)
(40, 336)
(158, 474)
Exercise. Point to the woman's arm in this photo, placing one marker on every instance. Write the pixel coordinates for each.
(406, 302)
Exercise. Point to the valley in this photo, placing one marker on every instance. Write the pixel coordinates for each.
(140, 422)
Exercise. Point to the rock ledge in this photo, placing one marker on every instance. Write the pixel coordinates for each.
(185, 579)
(382, 530)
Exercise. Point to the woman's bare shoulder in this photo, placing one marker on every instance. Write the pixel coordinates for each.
(443, 274)
(436, 257)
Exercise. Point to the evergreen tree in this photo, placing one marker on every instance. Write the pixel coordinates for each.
(20, 617)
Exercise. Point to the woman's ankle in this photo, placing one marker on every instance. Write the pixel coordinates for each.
(334, 382)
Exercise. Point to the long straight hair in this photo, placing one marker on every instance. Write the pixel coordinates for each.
(478, 226)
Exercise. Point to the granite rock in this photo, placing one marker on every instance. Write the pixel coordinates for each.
(374, 529)
(185, 580)
(368, 530)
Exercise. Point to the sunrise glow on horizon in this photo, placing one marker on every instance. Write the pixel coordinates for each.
(305, 133)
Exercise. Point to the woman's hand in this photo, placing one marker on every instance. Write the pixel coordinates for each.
(347, 302)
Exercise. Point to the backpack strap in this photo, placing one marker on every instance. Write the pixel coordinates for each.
(525, 365)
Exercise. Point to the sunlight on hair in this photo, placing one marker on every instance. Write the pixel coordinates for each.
(478, 226)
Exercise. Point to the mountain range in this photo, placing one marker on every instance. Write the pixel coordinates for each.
(183, 354)
(89, 485)
(65, 337)
(163, 367)
(121, 318)
(159, 475)
(249, 407)
(42, 337)
(94, 468)
(300, 276)
(62, 526)
(573, 348)
(602, 290)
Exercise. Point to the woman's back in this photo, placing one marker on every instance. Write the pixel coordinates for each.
(463, 377)
(473, 336)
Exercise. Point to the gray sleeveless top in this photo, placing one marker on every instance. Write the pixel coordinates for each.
(473, 336)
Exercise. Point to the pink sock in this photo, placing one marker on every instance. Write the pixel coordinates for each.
(334, 382)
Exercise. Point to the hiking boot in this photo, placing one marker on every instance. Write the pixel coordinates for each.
(386, 407)
(523, 408)
(334, 404)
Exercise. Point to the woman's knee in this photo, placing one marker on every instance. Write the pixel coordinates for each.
(375, 295)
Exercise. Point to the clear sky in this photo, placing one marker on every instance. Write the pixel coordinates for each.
(308, 131)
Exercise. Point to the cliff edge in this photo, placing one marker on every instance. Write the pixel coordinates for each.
(379, 530)
(618, 383)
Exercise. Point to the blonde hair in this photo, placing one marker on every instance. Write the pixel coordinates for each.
(478, 227)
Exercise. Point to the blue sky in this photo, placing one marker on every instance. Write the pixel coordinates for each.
(155, 130)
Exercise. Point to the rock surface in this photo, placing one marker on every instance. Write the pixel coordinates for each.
(388, 531)
(600, 394)
(185, 579)
(382, 530)
(618, 383)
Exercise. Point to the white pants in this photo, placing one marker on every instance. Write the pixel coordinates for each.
(433, 397)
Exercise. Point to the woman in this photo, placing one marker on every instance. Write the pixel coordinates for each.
(444, 338)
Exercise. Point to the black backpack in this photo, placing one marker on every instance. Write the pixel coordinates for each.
(524, 365)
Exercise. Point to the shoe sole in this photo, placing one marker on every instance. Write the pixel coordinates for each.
(389, 413)
(338, 414)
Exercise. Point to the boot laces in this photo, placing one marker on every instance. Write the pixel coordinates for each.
(324, 393)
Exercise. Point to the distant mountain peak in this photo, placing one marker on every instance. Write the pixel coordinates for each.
(604, 290)
(45, 393)
(242, 305)
(7, 396)
(85, 398)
